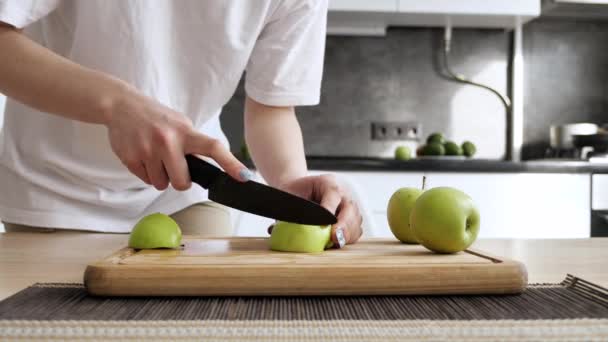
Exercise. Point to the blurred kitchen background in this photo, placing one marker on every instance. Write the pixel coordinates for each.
(396, 78)
(386, 84)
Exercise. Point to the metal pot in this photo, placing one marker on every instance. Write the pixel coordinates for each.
(561, 136)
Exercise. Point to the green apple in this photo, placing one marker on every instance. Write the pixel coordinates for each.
(155, 231)
(293, 237)
(403, 153)
(433, 149)
(445, 220)
(398, 213)
(469, 149)
(452, 149)
(435, 138)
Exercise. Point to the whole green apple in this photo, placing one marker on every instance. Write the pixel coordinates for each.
(403, 153)
(435, 138)
(452, 149)
(398, 213)
(469, 149)
(433, 149)
(293, 237)
(155, 231)
(445, 220)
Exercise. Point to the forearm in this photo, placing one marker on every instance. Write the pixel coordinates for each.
(274, 139)
(50, 83)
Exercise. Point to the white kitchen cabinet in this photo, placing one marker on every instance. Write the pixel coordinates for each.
(524, 205)
(599, 197)
(476, 7)
(467, 13)
(373, 17)
(511, 205)
(364, 5)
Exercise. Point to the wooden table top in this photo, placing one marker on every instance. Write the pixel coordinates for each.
(27, 258)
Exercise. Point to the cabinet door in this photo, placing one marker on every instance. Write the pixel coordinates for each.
(600, 192)
(511, 205)
(527, 205)
(472, 7)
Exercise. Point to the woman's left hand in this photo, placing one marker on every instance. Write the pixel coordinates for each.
(325, 190)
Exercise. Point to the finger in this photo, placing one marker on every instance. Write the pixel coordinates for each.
(138, 169)
(331, 198)
(348, 228)
(356, 230)
(158, 175)
(177, 170)
(213, 148)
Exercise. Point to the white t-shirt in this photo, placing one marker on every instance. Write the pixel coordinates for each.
(187, 54)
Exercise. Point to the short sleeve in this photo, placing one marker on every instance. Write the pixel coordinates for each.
(286, 65)
(21, 13)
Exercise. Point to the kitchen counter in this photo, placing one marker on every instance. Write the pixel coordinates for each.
(451, 165)
(28, 258)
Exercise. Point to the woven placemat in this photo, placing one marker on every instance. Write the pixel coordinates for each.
(572, 310)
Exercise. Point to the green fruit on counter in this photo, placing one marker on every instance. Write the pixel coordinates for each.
(433, 149)
(293, 237)
(468, 148)
(398, 213)
(155, 231)
(452, 149)
(435, 138)
(403, 153)
(445, 220)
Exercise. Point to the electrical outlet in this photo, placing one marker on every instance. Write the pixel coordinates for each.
(396, 130)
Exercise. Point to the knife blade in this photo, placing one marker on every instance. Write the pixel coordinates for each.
(256, 198)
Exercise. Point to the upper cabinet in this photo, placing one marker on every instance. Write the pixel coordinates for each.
(372, 17)
(364, 5)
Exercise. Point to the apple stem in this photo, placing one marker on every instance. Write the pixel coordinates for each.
(423, 182)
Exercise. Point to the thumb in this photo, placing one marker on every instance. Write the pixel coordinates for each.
(197, 143)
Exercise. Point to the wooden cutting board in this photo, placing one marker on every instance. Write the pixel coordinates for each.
(246, 266)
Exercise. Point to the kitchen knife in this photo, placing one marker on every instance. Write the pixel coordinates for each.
(256, 198)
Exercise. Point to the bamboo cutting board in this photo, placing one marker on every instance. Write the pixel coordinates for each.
(246, 266)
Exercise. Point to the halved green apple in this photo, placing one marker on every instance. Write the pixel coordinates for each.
(155, 231)
(293, 237)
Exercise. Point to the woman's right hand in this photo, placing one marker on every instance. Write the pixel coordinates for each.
(152, 140)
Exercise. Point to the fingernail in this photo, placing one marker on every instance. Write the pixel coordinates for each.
(340, 237)
(246, 175)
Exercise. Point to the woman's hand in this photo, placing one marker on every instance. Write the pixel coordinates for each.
(324, 189)
(152, 140)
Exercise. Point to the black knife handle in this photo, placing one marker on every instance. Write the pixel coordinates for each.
(202, 172)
